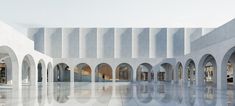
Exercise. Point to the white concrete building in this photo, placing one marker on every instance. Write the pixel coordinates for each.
(195, 56)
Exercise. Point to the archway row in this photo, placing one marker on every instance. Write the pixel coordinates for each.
(103, 73)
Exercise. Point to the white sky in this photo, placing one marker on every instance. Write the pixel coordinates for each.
(117, 13)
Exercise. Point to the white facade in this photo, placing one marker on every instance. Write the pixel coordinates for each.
(163, 49)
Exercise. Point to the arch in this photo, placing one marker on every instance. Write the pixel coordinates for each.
(41, 68)
(190, 71)
(227, 67)
(179, 71)
(144, 72)
(49, 72)
(82, 73)
(103, 73)
(62, 73)
(208, 70)
(28, 69)
(9, 62)
(124, 72)
(166, 72)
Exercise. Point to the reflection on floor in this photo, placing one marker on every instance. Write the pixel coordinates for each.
(116, 94)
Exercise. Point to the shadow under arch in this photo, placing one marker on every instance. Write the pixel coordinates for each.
(82, 73)
(166, 72)
(144, 72)
(61, 73)
(190, 71)
(124, 73)
(179, 71)
(103, 73)
(41, 68)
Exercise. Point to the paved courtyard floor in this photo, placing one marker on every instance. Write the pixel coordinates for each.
(115, 94)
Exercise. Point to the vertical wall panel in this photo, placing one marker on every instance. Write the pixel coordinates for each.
(123, 42)
(53, 38)
(105, 42)
(37, 35)
(175, 42)
(88, 43)
(70, 42)
(141, 35)
(157, 42)
(191, 34)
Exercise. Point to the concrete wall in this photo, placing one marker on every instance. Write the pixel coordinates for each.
(70, 42)
(123, 42)
(88, 43)
(140, 42)
(53, 42)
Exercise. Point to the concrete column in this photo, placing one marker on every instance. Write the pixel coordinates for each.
(72, 73)
(134, 45)
(93, 74)
(187, 43)
(185, 77)
(170, 43)
(200, 75)
(152, 43)
(221, 75)
(117, 43)
(134, 73)
(114, 74)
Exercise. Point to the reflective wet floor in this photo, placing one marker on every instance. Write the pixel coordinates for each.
(115, 94)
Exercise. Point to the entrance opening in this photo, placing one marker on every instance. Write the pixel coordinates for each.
(61, 73)
(28, 68)
(3, 73)
(124, 72)
(179, 70)
(191, 71)
(8, 63)
(161, 74)
(209, 70)
(82, 73)
(166, 72)
(103, 73)
(40, 78)
(230, 71)
(144, 72)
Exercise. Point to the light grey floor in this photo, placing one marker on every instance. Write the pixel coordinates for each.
(116, 94)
